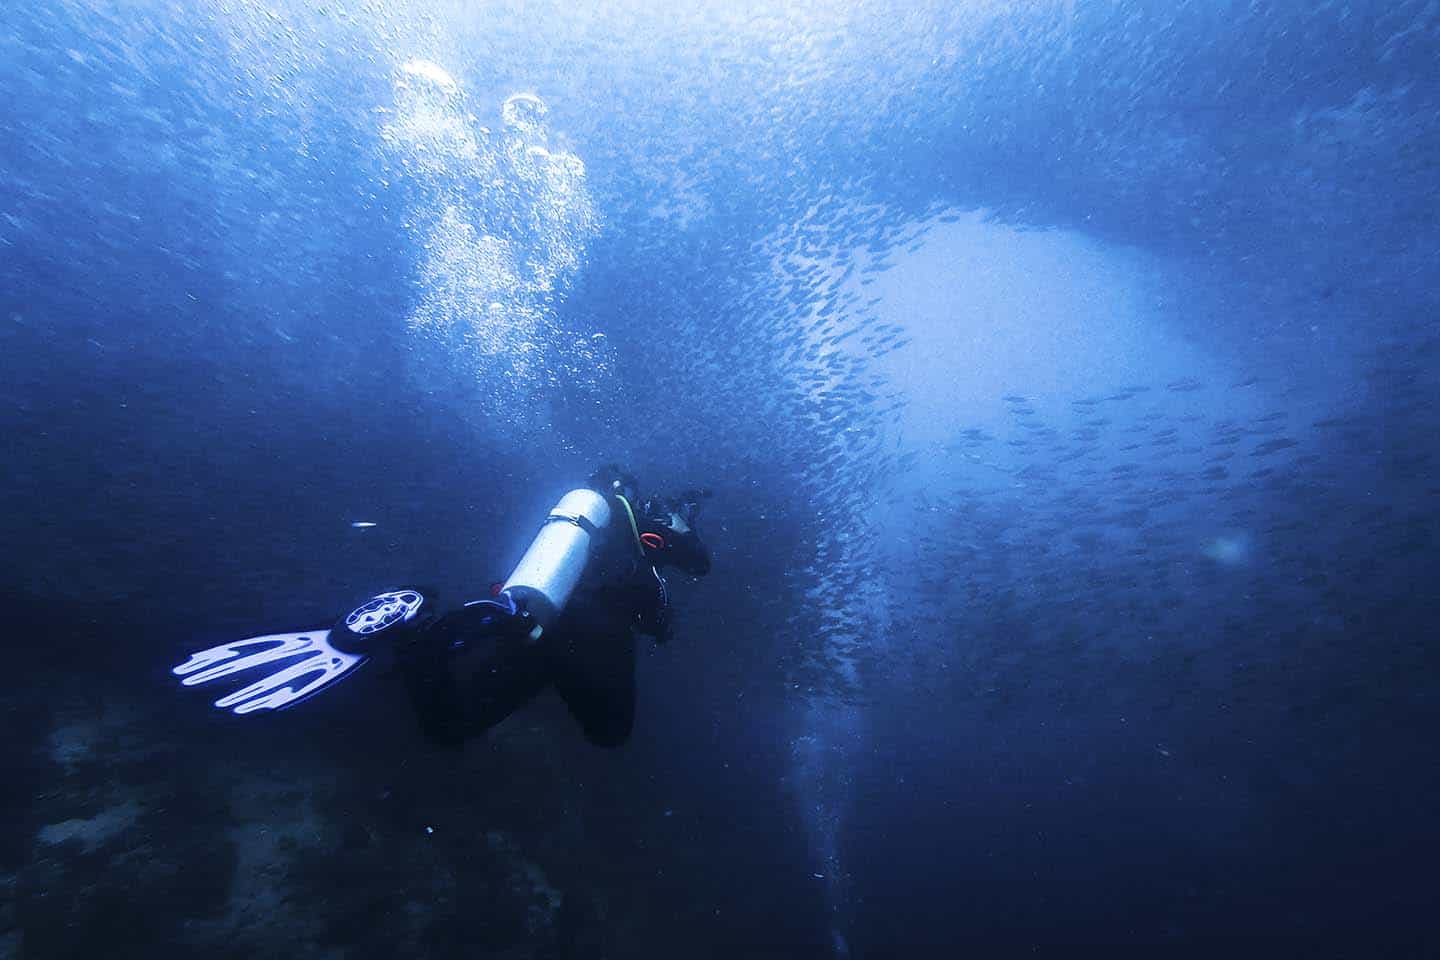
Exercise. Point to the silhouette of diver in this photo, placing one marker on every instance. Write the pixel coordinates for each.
(475, 666)
(567, 615)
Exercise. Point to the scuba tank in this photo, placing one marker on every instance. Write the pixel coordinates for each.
(546, 576)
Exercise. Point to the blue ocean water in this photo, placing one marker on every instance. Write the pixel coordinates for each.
(1064, 373)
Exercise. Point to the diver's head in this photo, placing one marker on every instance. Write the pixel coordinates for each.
(610, 479)
(666, 512)
(678, 513)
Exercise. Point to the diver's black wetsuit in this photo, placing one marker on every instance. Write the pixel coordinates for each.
(468, 680)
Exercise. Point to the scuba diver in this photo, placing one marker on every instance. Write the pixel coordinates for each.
(566, 616)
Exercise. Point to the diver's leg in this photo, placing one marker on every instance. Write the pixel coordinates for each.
(469, 694)
(499, 685)
(595, 676)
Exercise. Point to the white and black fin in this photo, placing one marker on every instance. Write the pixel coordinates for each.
(306, 663)
(301, 664)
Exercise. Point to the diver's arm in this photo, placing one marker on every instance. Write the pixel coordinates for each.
(692, 555)
(669, 547)
(652, 605)
(669, 533)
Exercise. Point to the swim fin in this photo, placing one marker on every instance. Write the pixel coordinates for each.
(306, 656)
(302, 663)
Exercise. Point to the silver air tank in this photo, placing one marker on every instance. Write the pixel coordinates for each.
(541, 584)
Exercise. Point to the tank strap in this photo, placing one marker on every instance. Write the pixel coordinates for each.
(582, 522)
